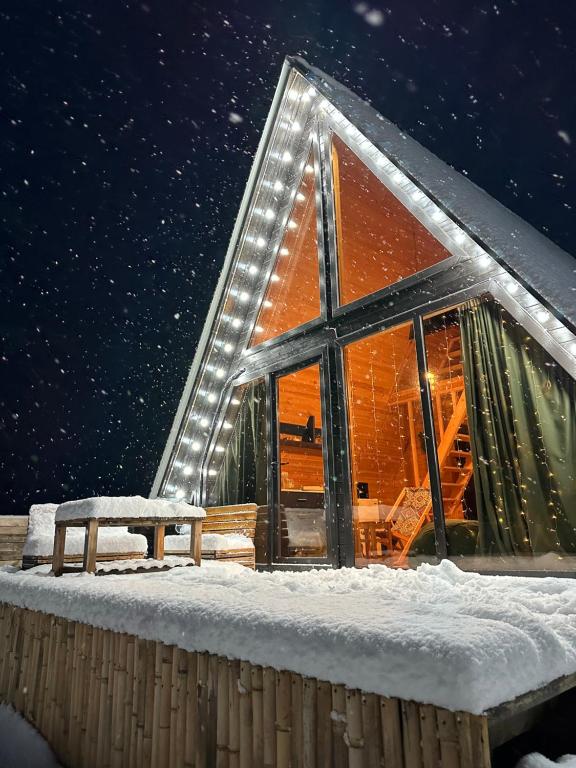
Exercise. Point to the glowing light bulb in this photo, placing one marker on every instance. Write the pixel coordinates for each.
(309, 169)
(211, 397)
(267, 303)
(196, 446)
(180, 493)
(274, 278)
(212, 472)
(252, 270)
(260, 242)
(258, 329)
(300, 197)
(220, 373)
(269, 214)
(204, 422)
(228, 348)
(243, 296)
(286, 157)
(219, 449)
(278, 186)
(187, 470)
(284, 252)
(236, 322)
(296, 127)
(226, 425)
(292, 224)
(235, 401)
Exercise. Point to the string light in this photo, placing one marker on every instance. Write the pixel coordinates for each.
(286, 157)
(180, 493)
(187, 470)
(278, 186)
(260, 242)
(243, 297)
(284, 252)
(252, 269)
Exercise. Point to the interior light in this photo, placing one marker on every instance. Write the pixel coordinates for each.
(286, 157)
(284, 252)
(219, 449)
(185, 440)
(236, 322)
(180, 493)
(292, 224)
(300, 197)
(267, 303)
(204, 422)
(187, 470)
(542, 315)
(278, 186)
(235, 401)
(220, 373)
(260, 242)
(211, 397)
(252, 270)
(226, 425)
(195, 446)
(274, 278)
(269, 214)
(243, 296)
(228, 348)
(309, 168)
(212, 472)
(258, 329)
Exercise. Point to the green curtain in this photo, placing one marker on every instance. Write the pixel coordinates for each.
(242, 476)
(522, 420)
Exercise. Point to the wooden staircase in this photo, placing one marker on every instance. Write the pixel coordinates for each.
(454, 456)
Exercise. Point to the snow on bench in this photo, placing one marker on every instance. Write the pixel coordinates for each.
(124, 507)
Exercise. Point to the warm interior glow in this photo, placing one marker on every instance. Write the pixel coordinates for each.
(293, 295)
(379, 241)
(302, 518)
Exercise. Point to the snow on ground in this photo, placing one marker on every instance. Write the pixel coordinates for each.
(126, 506)
(21, 746)
(436, 635)
(536, 760)
(214, 541)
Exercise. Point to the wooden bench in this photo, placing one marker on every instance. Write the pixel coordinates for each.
(239, 519)
(91, 524)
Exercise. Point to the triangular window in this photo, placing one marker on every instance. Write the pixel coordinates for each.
(379, 240)
(293, 294)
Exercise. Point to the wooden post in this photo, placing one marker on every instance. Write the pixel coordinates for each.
(309, 723)
(90, 545)
(390, 723)
(324, 725)
(196, 541)
(338, 716)
(269, 716)
(245, 689)
(257, 716)
(59, 549)
(159, 532)
(234, 714)
(354, 728)
(429, 732)
(283, 718)
(222, 718)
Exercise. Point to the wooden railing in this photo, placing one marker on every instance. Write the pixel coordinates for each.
(109, 700)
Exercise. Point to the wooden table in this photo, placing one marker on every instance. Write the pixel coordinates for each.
(91, 525)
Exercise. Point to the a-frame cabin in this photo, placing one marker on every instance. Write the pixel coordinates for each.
(387, 367)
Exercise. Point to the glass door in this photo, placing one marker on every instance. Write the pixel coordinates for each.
(301, 509)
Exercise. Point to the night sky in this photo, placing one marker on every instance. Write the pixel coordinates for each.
(127, 135)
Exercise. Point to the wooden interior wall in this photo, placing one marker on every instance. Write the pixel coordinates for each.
(376, 369)
(298, 399)
(105, 699)
(293, 297)
(380, 241)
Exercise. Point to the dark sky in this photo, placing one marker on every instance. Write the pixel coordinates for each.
(121, 173)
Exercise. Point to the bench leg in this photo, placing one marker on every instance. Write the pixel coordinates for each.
(59, 549)
(196, 541)
(159, 532)
(90, 545)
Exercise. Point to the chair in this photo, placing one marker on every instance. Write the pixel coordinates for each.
(113, 543)
(227, 534)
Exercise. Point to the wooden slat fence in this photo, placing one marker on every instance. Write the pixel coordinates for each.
(108, 700)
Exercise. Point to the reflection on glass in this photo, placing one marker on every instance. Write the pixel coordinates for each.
(302, 520)
(391, 490)
(379, 241)
(242, 474)
(505, 420)
(293, 294)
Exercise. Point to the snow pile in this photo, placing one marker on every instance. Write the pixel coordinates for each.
(40, 537)
(436, 635)
(21, 746)
(147, 564)
(126, 506)
(218, 542)
(536, 760)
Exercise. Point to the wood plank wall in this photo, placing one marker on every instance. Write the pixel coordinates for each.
(13, 531)
(109, 700)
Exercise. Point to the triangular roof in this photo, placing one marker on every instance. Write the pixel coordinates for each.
(535, 277)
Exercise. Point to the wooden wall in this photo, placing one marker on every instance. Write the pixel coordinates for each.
(109, 700)
(13, 531)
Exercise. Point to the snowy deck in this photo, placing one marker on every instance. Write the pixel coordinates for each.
(436, 635)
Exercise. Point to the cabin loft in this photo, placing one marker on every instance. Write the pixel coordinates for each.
(387, 371)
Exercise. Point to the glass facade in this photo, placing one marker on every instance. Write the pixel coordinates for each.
(379, 241)
(293, 294)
